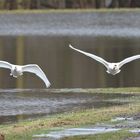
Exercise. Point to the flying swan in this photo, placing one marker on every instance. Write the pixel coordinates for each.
(112, 68)
(17, 70)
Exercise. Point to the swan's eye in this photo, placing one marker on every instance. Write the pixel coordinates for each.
(115, 66)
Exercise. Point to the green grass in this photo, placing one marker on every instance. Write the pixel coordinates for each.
(22, 11)
(24, 130)
(120, 135)
(130, 90)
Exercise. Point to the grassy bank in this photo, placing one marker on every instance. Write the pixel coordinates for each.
(120, 135)
(25, 130)
(68, 11)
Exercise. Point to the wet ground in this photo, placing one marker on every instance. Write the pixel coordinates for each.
(130, 124)
(137, 138)
(18, 104)
(74, 132)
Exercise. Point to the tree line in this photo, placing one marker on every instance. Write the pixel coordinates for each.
(62, 4)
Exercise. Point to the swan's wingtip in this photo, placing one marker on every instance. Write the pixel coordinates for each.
(48, 85)
(70, 46)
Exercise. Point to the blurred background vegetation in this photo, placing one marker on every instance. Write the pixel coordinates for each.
(61, 4)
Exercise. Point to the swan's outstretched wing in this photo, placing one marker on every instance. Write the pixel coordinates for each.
(4, 64)
(129, 59)
(97, 58)
(33, 68)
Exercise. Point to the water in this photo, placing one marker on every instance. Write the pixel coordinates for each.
(129, 124)
(73, 132)
(121, 119)
(66, 68)
(121, 24)
(43, 39)
(20, 104)
(135, 131)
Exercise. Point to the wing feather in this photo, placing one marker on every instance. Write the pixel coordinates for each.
(4, 64)
(97, 58)
(33, 68)
(129, 59)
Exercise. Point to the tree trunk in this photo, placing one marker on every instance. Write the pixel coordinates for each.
(69, 3)
(114, 4)
(135, 3)
(125, 3)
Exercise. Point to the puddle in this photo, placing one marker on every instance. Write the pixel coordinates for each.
(74, 132)
(121, 123)
(126, 122)
(135, 131)
(121, 119)
(130, 123)
(23, 104)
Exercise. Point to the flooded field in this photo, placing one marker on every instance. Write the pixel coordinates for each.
(120, 124)
(58, 135)
(17, 105)
(43, 39)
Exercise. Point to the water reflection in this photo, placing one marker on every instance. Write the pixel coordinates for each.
(66, 68)
(22, 104)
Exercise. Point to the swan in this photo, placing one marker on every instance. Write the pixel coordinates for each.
(17, 70)
(112, 68)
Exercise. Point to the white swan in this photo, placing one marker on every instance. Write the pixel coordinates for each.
(112, 68)
(17, 70)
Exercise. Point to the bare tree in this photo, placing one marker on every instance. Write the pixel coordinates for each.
(114, 3)
(124, 3)
(135, 3)
(69, 3)
(26, 4)
(10, 4)
(35, 4)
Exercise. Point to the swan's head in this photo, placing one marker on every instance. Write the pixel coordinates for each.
(16, 71)
(113, 68)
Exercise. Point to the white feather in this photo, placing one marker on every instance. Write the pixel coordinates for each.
(17, 70)
(33, 68)
(112, 68)
(4, 64)
(97, 58)
(129, 59)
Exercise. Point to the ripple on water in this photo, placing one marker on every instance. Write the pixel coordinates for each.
(72, 23)
(18, 104)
